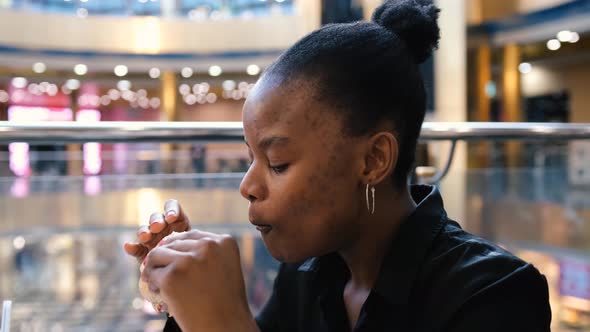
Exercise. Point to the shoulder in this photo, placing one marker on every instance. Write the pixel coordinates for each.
(459, 253)
(465, 271)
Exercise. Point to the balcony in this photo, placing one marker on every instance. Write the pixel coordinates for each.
(61, 234)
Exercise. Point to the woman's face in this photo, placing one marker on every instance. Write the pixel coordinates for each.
(304, 184)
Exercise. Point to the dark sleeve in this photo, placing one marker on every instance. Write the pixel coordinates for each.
(171, 325)
(268, 318)
(518, 302)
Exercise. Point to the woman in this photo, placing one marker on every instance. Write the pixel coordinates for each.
(331, 129)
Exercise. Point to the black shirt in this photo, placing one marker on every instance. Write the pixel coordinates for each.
(435, 277)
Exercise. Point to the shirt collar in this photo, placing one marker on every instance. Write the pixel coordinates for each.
(410, 245)
(407, 252)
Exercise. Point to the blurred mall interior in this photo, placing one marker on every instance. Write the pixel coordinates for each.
(66, 209)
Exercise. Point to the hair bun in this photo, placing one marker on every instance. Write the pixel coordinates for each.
(414, 21)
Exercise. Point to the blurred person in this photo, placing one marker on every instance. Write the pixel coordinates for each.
(331, 129)
(46, 159)
(198, 155)
(198, 158)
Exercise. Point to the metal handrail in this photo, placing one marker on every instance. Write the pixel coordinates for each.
(130, 132)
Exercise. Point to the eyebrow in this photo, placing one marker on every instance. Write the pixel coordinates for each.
(267, 142)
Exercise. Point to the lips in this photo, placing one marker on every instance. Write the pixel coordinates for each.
(259, 222)
(264, 229)
(260, 226)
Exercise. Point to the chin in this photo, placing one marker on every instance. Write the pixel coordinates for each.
(286, 255)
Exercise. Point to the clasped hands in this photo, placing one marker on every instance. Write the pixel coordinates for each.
(198, 274)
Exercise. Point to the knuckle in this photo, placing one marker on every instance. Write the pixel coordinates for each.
(207, 246)
(227, 240)
(183, 264)
(149, 255)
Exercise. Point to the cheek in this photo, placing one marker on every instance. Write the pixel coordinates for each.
(317, 219)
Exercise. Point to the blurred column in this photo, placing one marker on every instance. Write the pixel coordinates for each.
(169, 113)
(7, 261)
(62, 260)
(484, 78)
(369, 7)
(168, 94)
(5, 3)
(450, 72)
(168, 8)
(74, 151)
(3, 112)
(311, 13)
(247, 253)
(511, 98)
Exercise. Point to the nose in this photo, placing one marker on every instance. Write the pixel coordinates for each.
(252, 187)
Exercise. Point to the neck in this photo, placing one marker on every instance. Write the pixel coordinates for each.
(374, 238)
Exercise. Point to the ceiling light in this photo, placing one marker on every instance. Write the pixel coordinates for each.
(123, 85)
(215, 71)
(82, 12)
(80, 69)
(564, 36)
(186, 72)
(553, 44)
(154, 73)
(39, 67)
(525, 68)
(121, 70)
(253, 70)
(19, 82)
(228, 85)
(73, 84)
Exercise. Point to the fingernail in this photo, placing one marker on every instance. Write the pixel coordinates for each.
(170, 214)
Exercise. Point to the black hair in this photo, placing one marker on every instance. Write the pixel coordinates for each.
(369, 71)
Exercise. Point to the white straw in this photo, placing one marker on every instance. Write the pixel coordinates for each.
(6, 312)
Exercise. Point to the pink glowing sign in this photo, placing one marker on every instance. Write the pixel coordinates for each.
(574, 278)
(92, 152)
(20, 163)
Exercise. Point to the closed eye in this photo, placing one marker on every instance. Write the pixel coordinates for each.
(279, 169)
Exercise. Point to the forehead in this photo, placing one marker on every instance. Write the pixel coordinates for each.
(286, 108)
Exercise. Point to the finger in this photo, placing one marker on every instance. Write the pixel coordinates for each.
(159, 257)
(183, 245)
(194, 234)
(157, 223)
(135, 249)
(143, 234)
(171, 210)
(155, 278)
(174, 212)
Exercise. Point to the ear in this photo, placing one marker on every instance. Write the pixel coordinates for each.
(381, 155)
